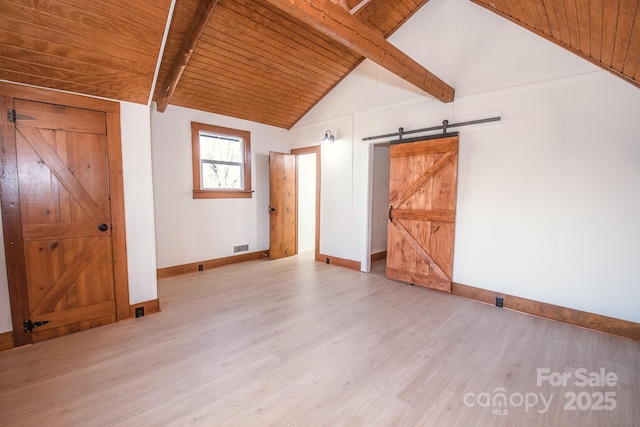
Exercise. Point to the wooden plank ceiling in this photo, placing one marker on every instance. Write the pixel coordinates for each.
(605, 32)
(256, 62)
(268, 61)
(106, 48)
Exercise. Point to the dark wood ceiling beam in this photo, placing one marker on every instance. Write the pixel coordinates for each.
(337, 23)
(189, 42)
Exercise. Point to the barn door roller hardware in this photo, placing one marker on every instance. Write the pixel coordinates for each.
(29, 326)
(444, 127)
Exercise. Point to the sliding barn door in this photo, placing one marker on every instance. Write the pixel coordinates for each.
(65, 212)
(283, 216)
(422, 208)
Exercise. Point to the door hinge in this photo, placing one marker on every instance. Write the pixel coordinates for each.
(29, 326)
(13, 116)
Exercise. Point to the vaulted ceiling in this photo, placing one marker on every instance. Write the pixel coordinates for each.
(268, 61)
(255, 61)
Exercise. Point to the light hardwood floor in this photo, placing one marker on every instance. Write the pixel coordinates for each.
(296, 342)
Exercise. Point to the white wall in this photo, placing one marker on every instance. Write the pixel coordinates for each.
(336, 193)
(190, 230)
(306, 201)
(138, 201)
(138, 195)
(379, 198)
(554, 188)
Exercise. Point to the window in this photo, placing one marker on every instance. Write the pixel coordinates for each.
(221, 162)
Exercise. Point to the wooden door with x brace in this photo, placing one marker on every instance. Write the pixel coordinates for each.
(422, 208)
(62, 238)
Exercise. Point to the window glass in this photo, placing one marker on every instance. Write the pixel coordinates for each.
(221, 161)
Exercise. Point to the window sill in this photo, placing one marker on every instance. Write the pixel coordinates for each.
(222, 194)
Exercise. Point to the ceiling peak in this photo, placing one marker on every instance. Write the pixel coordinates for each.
(337, 23)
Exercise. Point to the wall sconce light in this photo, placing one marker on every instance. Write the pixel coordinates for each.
(328, 137)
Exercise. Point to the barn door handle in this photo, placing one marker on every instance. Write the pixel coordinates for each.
(390, 217)
(103, 227)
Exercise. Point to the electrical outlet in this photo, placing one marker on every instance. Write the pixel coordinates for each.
(241, 248)
(200, 267)
(139, 311)
(499, 302)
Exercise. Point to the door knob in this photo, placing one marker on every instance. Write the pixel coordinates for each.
(272, 210)
(103, 227)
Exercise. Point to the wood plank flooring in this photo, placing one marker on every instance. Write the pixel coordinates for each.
(294, 342)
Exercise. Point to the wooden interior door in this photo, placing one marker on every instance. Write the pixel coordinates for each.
(63, 180)
(283, 216)
(422, 207)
